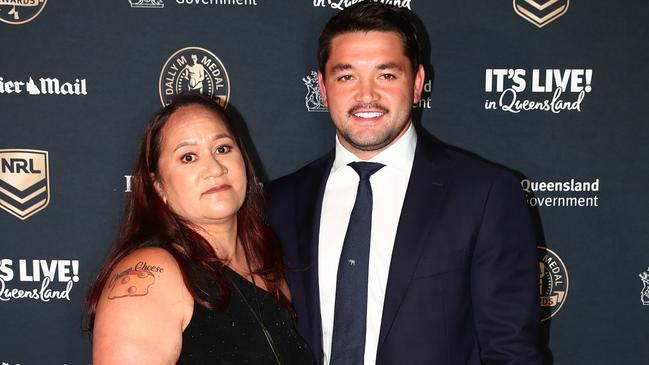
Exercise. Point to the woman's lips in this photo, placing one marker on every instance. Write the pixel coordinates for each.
(217, 189)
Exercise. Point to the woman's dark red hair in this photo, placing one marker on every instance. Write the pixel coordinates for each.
(148, 221)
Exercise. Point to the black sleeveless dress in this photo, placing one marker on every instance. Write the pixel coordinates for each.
(234, 336)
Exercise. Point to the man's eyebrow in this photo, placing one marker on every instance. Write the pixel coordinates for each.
(341, 67)
(389, 66)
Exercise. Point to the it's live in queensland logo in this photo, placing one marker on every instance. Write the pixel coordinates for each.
(342, 4)
(37, 279)
(548, 90)
(194, 69)
(20, 11)
(24, 182)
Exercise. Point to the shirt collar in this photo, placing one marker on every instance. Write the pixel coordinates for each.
(399, 155)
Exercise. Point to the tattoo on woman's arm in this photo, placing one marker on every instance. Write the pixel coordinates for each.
(134, 281)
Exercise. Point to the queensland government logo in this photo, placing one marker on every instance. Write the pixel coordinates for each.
(218, 2)
(147, 3)
(541, 12)
(20, 11)
(553, 282)
(562, 193)
(194, 69)
(644, 293)
(342, 4)
(24, 182)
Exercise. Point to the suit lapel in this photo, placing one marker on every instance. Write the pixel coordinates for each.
(310, 196)
(423, 198)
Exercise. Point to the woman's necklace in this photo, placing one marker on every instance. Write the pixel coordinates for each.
(257, 314)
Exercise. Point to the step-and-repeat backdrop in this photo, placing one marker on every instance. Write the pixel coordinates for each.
(557, 90)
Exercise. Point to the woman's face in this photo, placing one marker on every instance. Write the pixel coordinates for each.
(201, 172)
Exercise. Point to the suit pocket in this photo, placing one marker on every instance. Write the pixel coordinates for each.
(441, 263)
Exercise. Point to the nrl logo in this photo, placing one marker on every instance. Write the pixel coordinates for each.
(553, 282)
(313, 98)
(146, 3)
(644, 293)
(541, 12)
(20, 11)
(24, 182)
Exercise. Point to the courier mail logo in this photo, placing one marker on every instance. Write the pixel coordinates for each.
(43, 86)
(24, 182)
(541, 12)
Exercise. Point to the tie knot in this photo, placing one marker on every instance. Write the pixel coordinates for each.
(366, 169)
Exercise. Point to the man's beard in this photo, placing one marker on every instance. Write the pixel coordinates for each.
(374, 142)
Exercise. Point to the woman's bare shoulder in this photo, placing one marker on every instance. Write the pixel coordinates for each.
(144, 301)
(142, 271)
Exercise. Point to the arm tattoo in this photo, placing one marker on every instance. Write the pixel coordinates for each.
(133, 282)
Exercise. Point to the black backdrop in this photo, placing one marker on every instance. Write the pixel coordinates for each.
(67, 146)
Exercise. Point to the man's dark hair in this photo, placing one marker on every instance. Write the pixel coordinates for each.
(371, 16)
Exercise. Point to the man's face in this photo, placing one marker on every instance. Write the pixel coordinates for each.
(369, 89)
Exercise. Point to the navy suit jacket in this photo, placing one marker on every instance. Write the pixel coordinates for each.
(463, 280)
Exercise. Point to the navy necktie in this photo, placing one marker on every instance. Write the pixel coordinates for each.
(350, 311)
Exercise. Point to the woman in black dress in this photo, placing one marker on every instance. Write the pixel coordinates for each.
(196, 275)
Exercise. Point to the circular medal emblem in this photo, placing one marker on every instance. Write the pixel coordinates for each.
(20, 12)
(194, 69)
(553, 282)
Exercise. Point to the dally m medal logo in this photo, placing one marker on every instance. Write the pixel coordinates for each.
(541, 12)
(147, 4)
(24, 182)
(553, 282)
(313, 98)
(194, 69)
(20, 11)
(644, 293)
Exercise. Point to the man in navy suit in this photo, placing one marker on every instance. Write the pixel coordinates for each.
(450, 273)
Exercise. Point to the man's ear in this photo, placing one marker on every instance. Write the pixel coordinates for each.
(323, 90)
(158, 187)
(420, 77)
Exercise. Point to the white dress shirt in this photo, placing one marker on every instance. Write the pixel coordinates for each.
(389, 186)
